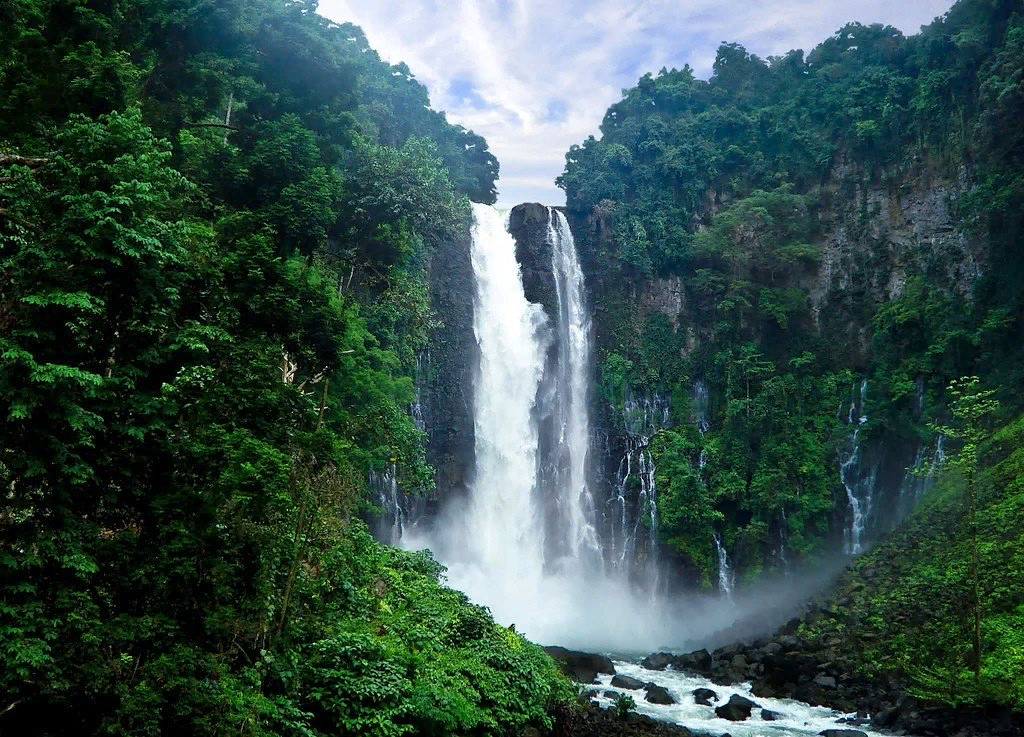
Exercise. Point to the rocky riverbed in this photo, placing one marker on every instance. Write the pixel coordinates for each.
(766, 688)
(675, 702)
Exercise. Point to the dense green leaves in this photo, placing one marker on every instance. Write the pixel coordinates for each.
(745, 208)
(213, 249)
(930, 560)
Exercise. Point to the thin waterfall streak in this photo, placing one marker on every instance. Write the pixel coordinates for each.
(574, 374)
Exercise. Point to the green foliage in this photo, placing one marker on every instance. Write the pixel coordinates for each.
(216, 221)
(732, 239)
(624, 704)
(930, 559)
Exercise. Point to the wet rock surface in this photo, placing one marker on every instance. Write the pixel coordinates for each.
(657, 661)
(580, 666)
(737, 709)
(704, 696)
(787, 666)
(595, 722)
(528, 225)
(627, 682)
(658, 695)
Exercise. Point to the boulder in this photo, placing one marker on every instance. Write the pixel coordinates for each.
(842, 733)
(736, 709)
(887, 716)
(825, 681)
(788, 642)
(628, 682)
(704, 696)
(698, 661)
(810, 693)
(658, 695)
(739, 663)
(657, 661)
(770, 716)
(772, 648)
(611, 695)
(580, 666)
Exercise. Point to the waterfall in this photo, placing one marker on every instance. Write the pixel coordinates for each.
(398, 510)
(504, 534)
(700, 406)
(860, 487)
(783, 532)
(920, 477)
(572, 381)
(726, 578)
(416, 408)
(631, 514)
(524, 542)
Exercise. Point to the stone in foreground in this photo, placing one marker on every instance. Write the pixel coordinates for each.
(580, 666)
(627, 682)
(704, 696)
(658, 695)
(737, 709)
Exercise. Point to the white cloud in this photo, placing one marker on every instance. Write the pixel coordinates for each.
(525, 58)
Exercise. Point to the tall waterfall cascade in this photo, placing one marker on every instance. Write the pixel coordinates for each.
(504, 534)
(525, 541)
(570, 390)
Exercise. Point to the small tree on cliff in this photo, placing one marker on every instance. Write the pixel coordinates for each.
(969, 405)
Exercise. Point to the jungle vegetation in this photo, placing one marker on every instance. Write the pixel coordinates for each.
(215, 223)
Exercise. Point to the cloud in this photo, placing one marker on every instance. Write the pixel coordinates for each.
(535, 76)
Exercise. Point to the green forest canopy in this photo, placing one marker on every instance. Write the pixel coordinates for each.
(215, 223)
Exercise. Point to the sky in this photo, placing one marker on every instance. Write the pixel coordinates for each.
(534, 77)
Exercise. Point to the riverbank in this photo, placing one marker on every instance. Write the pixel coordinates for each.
(784, 685)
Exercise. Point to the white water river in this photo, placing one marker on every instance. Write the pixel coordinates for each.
(795, 718)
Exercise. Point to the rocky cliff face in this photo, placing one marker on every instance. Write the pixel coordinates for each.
(873, 231)
(446, 382)
(528, 224)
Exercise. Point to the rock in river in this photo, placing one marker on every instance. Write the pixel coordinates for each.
(579, 666)
(657, 661)
(658, 695)
(737, 709)
(627, 682)
(704, 696)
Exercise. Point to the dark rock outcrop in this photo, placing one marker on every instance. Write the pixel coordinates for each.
(817, 673)
(699, 661)
(737, 709)
(594, 722)
(446, 384)
(704, 696)
(580, 666)
(842, 733)
(658, 694)
(628, 682)
(657, 661)
(528, 224)
(768, 715)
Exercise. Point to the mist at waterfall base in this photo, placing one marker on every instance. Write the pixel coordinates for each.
(524, 543)
(570, 605)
